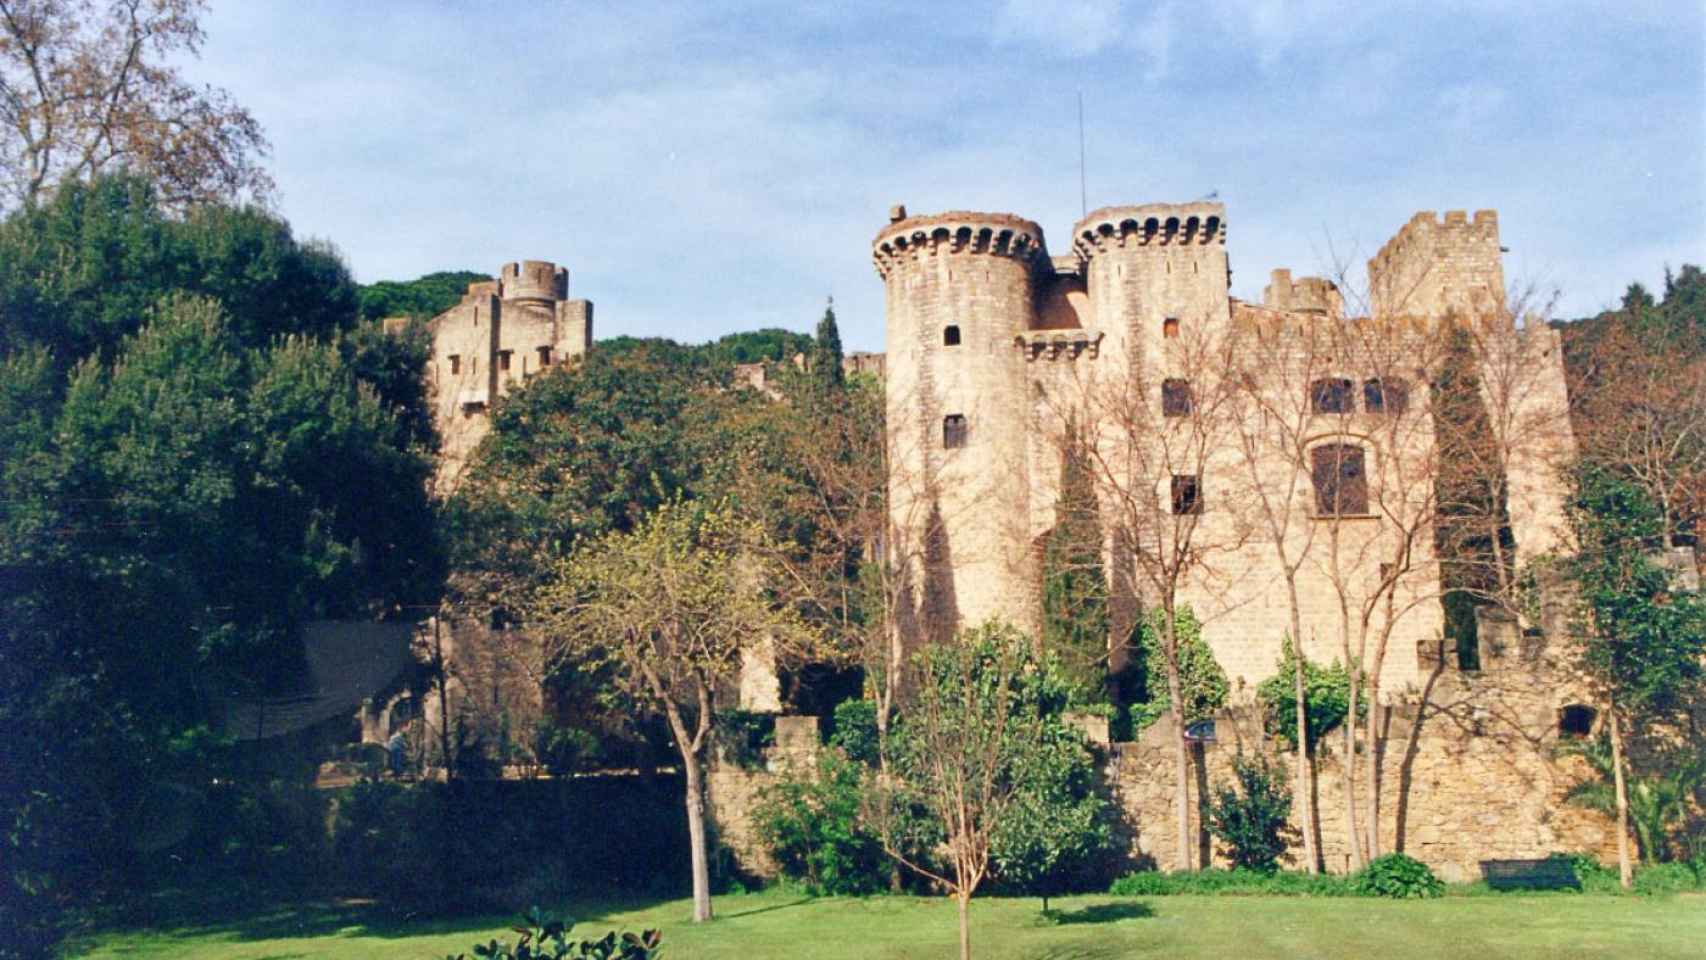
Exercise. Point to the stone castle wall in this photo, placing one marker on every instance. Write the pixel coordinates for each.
(1469, 770)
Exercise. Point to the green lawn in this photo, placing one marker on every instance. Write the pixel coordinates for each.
(778, 925)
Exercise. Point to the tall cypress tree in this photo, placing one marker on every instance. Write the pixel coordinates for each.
(1075, 592)
(826, 352)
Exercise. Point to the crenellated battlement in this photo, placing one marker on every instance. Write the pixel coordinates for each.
(1444, 268)
(959, 231)
(1157, 224)
(1426, 229)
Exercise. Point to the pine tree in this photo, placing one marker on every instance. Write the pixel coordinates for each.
(1075, 593)
(826, 353)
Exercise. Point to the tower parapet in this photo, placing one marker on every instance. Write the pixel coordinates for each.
(1304, 294)
(960, 231)
(1440, 268)
(1153, 271)
(534, 280)
(1174, 224)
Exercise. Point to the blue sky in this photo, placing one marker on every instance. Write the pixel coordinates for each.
(703, 168)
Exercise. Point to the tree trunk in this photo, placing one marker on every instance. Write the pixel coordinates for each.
(1181, 757)
(964, 900)
(696, 837)
(1304, 789)
(1625, 869)
(443, 699)
(1373, 743)
(1311, 858)
(1353, 837)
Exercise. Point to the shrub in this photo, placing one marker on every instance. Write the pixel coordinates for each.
(563, 750)
(1399, 877)
(1201, 678)
(812, 826)
(855, 730)
(1661, 878)
(743, 736)
(1235, 882)
(1326, 698)
(546, 938)
(1252, 819)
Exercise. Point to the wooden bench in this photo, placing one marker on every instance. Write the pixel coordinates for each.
(1552, 873)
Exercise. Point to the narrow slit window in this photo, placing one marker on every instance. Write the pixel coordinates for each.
(1341, 486)
(954, 431)
(1187, 494)
(1176, 400)
(951, 336)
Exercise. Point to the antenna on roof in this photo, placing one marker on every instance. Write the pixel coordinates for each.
(1083, 193)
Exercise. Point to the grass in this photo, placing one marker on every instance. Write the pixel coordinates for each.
(778, 924)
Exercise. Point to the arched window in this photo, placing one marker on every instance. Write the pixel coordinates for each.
(954, 431)
(1341, 486)
(1170, 328)
(1576, 721)
(1175, 398)
(1331, 395)
(1389, 396)
(951, 336)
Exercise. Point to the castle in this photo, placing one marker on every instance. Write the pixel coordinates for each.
(1252, 459)
(1130, 343)
(503, 332)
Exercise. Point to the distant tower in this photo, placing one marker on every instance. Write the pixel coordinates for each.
(961, 287)
(503, 332)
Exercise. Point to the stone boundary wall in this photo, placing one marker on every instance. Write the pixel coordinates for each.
(1469, 774)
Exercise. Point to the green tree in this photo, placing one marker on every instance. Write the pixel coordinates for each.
(979, 743)
(826, 351)
(81, 273)
(1202, 683)
(1643, 639)
(1075, 591)
(171, 517)
(1657, 803)
(422, 298)
(671, 607)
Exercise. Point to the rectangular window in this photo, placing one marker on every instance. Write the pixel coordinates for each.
(1332, 395)
(1187, 494)
(455, 364)
(954, 431)
(1385, 396)
(1176, 400)
(1341, 486)
(503, 359)
(544, 357)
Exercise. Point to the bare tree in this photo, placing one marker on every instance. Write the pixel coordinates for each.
(87, 87)
(1277, 358)
(1154, 434)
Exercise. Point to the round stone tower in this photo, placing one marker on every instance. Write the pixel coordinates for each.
(537, 280)
(961, 289)
(1152, 272)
